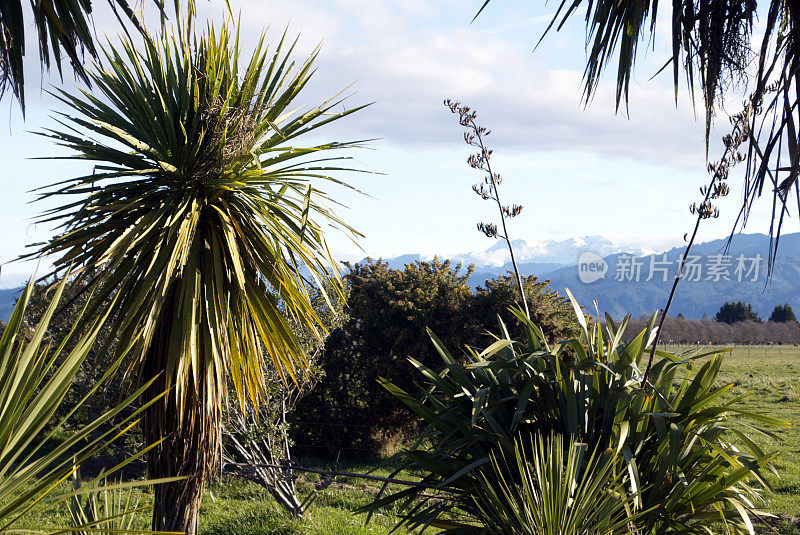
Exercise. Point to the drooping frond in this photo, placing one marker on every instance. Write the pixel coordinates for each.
(769, 122)
(64, 31)
(710, 41)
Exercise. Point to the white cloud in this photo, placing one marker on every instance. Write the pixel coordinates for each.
(409, 56)
(539, 22)
(408, 64)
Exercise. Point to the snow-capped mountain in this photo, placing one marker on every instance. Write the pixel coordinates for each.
(565, 252)
(556, 261)
(538, 257)
(619, 294)
(553, 253)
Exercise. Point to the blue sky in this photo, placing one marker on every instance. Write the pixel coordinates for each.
(577, 170)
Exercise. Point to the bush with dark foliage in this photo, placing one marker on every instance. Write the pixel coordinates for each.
(782, 314)
(388, 312)
(735, 312)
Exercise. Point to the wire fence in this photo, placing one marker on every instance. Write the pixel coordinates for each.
(342, 473)
(741, 351)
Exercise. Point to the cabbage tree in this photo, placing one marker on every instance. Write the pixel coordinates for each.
(205, 217)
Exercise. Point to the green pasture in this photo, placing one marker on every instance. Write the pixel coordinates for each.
(771, 375)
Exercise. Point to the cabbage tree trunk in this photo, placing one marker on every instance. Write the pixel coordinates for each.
(190, 439)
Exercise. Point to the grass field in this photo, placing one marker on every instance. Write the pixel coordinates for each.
(771, 377)
(771, 374)
(237, 507)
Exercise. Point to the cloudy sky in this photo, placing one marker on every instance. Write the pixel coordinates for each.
(578, 170)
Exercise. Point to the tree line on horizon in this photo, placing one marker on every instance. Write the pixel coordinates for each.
(734, 323)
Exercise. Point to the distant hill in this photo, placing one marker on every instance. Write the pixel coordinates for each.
(545, 252)
(533, 257)
(8, 296)
(694, 298)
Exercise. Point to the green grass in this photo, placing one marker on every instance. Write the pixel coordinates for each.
(771, 374)
(236, 507)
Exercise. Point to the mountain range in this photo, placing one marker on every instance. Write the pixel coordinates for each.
(718, 273)
(8, 296)
(623, 279)
(554, 253)
(710, 279)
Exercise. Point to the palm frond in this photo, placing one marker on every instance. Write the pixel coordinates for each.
(767, 126)
(710, 40)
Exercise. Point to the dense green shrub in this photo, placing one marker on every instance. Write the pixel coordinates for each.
(551, 312)
(675, 437)
(388, 311)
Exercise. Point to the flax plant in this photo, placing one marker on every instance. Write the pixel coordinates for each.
(104, 509)
(488, 191)
(563, 489)
(35, 378)
(686, 451)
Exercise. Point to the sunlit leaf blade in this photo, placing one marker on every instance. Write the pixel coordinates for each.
(31, 468)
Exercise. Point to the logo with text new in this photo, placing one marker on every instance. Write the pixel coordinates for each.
(591, 267)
